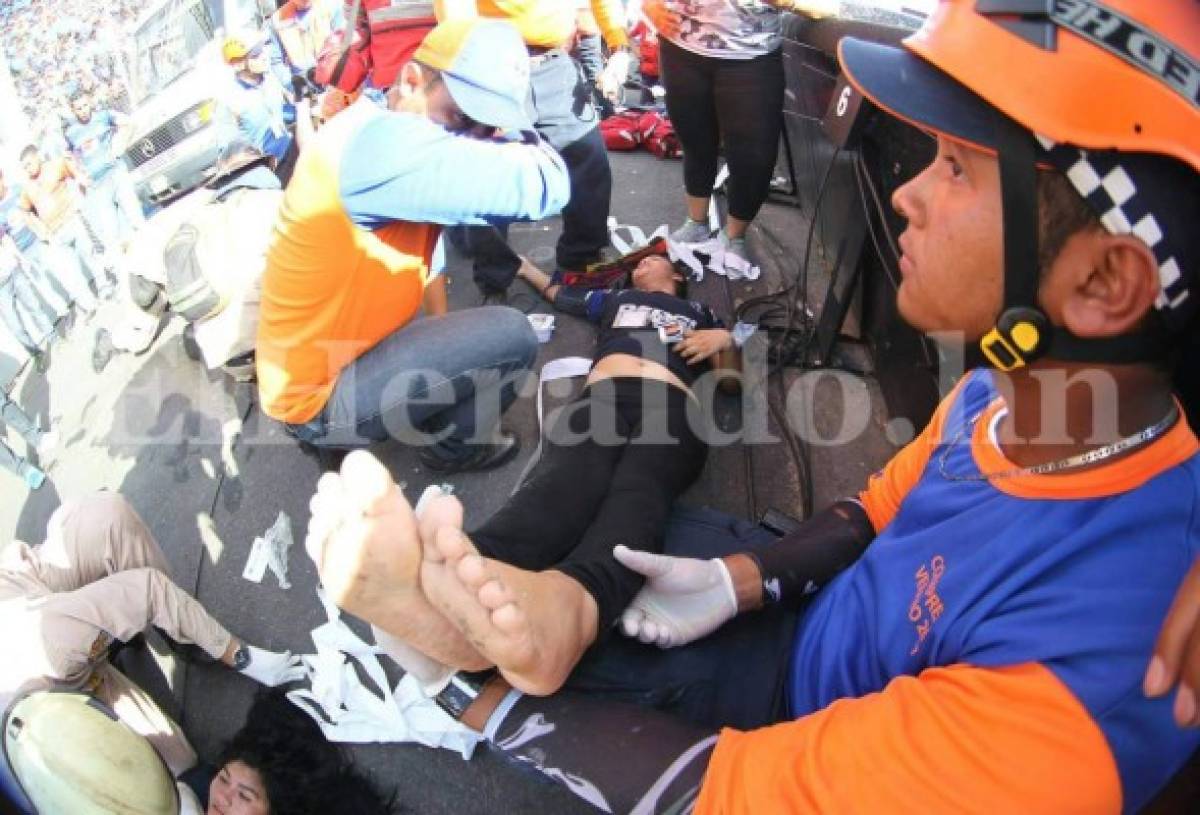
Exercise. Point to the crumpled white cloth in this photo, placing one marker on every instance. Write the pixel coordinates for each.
(719, 259)
(709, 254)
(347, 710)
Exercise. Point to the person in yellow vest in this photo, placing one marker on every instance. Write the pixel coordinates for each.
(341, 360)
(560, 105)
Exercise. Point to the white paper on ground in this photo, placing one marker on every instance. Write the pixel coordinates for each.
(256, 562)
(270, 550)
(348, 711)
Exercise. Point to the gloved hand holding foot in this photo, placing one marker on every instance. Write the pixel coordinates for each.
(683, 600)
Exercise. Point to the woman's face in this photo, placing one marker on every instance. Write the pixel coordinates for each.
(238, 790)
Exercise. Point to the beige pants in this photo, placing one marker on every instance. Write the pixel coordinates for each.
(101, 575)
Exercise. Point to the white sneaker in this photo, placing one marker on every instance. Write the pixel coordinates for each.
(735, 245)
(691, 232)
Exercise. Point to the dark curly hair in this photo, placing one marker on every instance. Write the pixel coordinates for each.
(301, 771)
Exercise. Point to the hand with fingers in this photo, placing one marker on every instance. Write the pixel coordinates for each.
(698, 346)
(616, 71)
(683, 599)
(1176, 659)
(273, 668)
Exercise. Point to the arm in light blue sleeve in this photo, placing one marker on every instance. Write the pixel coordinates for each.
(404, 167)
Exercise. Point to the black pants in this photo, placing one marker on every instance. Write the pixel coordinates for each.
(738, 103)
(560, 106)
(613, 462)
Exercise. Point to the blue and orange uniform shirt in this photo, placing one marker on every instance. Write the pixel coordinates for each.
(356, 232)
(986, 653)
(92, 142)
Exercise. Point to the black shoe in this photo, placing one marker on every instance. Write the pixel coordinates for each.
(475, 458)
(495, 297)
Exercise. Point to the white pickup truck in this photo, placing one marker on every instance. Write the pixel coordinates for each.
(177, 70)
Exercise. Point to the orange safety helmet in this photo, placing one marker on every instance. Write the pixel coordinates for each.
(1113, 82)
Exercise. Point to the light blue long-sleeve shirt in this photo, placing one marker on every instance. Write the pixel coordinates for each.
(405, 167)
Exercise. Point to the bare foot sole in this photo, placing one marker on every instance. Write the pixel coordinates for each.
(364, 538)
(533, 626)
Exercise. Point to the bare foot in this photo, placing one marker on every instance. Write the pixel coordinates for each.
(363, 536)
(537, 278)
(533, 625)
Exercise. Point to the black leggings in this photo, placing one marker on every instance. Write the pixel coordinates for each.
(732, 101)
(613, 462)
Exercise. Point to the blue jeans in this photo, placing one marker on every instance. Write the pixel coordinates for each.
(559, 104)
(114, 209)
(22, 313)
(735, 677)
(590, 54)
(14, 417)
(41, 260)
(438, 381)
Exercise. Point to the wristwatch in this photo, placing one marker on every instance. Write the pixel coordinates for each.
(241, 658)
(463, 689)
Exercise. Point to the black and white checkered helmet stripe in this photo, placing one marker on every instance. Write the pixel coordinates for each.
(1112, 192)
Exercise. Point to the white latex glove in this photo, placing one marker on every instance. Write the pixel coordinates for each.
(683, 599)
(273, 668)
(615, 72)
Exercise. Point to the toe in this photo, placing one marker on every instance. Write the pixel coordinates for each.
(510, 620)
(493, 594)
(473, 572)
(365, 479)
(445, 510)
(447, 546)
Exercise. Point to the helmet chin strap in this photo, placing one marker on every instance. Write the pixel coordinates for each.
(1023, 333)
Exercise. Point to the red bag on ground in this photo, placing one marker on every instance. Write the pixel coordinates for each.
(621, 131)
(658, 134)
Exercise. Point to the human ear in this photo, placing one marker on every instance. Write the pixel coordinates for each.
(1114, 286)
(411, 79)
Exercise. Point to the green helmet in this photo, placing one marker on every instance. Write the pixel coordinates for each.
(70, 753)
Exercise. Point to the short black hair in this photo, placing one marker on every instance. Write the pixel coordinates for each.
(1062, 212)
(28, 150)
(302, 772)
(685, 275)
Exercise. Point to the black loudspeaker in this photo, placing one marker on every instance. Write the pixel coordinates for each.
(847, 113)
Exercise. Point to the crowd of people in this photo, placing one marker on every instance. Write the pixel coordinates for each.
(968, 615)
(54, 49)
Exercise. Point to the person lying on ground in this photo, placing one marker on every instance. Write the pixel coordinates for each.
(100, 578)
(613, 462)
(279, 763)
